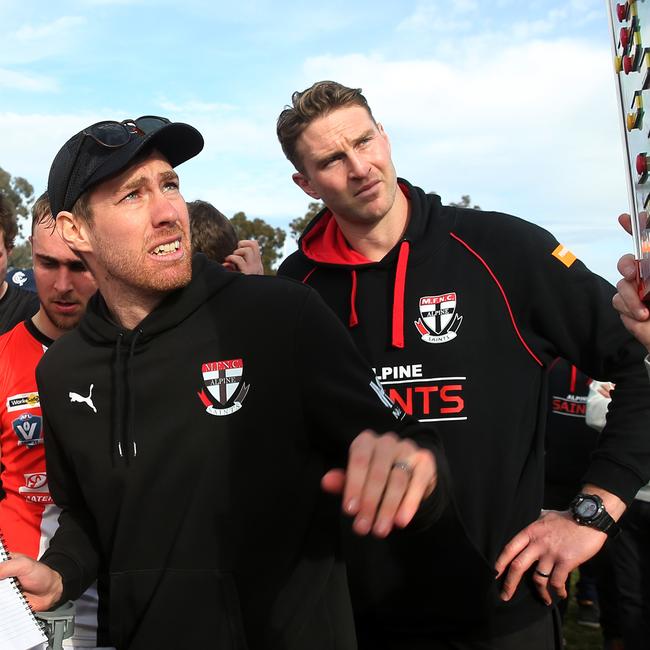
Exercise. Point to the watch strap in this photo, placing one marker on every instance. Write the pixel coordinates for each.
(602, 521)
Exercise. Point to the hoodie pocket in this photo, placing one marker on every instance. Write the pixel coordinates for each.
(172, 608)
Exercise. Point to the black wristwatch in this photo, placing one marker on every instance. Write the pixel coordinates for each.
(588, 510)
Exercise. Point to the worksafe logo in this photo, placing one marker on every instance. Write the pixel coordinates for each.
(23, 401)
(439, 321)
(28, 429)
(226, 388)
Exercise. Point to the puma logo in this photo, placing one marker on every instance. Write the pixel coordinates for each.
(75, 397)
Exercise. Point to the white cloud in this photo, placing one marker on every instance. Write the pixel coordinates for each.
(530, 128)
(431, 16)
(31, 141)
(31, 43)
(98, 3)
(28, 82)
(196, 106)
(55, 29)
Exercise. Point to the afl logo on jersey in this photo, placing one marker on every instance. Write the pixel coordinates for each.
(28, 429)
(226, 388)
(439, 321)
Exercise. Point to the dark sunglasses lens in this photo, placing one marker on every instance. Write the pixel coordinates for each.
(112, 134)
(150, 123)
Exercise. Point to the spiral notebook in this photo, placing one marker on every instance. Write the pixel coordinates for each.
(19, 629)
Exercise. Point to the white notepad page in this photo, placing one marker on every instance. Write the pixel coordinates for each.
(19, 629)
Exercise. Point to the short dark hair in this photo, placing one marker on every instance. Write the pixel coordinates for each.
(314, 102)
(41, 211)
(211, 232)
(8, 223)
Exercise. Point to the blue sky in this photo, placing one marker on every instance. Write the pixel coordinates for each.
(511, 102)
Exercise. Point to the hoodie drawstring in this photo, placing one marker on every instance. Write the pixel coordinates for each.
(130, 381)
(398, 295)
(124, 445)
(118, 389)
(354, 319)
(399, 288)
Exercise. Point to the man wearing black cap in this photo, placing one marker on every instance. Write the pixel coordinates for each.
(189, 422)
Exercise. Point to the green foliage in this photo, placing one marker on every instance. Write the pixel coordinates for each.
(271, 240)
(21, 256)
(298, 225)
(20, 194)
(465, 202)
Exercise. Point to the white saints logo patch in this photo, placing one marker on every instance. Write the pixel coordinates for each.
(439, 321)
(223, 381)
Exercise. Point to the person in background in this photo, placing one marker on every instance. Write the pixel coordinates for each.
(461, 312)
(28, 516)
(23, 278)
(631, 550)
(634, 313)
(16, 304)
(213, 234)
(569, 445)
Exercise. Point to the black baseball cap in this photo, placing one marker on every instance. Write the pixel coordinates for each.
(105, 148)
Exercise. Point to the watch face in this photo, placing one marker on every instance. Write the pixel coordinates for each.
(586, 509)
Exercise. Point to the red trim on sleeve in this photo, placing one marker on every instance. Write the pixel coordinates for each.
(503, 293)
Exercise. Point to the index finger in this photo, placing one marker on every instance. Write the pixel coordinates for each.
(628, 303)
(627, 267)
(626, 221)
(510, 551)
(359, 458)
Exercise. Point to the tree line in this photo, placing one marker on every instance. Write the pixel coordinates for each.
(20, 194)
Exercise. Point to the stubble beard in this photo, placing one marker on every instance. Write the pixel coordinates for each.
(136, 275)
(63, 323)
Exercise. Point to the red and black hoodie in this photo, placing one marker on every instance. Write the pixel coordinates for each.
(460, 321)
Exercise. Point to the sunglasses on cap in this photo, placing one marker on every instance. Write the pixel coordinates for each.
(113, 134)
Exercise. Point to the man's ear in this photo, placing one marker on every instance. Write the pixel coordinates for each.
(380, 128)
(303, 183)
(74, 232)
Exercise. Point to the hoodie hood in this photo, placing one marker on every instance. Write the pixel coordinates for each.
(98, 328)
(324, 244)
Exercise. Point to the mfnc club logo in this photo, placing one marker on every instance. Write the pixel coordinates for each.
(439, 321)
(225, 389)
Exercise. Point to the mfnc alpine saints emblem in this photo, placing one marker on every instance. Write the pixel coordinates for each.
(223, 379)
(439, 322)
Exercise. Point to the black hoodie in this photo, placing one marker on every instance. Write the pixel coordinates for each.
(460, 320)
(186, 455)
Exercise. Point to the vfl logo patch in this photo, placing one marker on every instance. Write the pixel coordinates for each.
(439, 321)
(23, 401)
(28, 429)
(223, 380)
